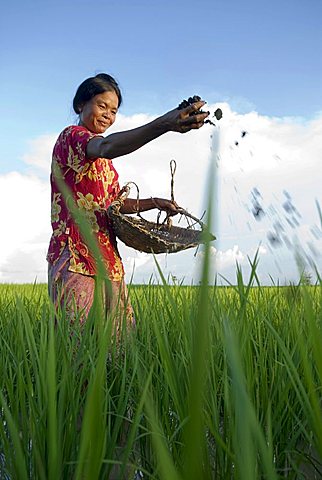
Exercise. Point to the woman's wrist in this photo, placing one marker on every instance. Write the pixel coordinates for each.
(161, 125)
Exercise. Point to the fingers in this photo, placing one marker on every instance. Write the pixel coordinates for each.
(192, 117)
(197, 117)
(193, 110)
(195, 106)
(193, 122)
(172, 208)
(191, 100)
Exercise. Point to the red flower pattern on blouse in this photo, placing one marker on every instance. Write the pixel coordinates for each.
(94, 185)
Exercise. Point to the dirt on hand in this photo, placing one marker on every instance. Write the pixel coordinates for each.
(194, 99)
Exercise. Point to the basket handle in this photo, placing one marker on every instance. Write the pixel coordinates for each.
(124, 193)
(173, 168)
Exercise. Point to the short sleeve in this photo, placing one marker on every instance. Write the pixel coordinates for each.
(70, 148)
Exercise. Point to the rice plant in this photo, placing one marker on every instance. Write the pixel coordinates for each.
(214, 383)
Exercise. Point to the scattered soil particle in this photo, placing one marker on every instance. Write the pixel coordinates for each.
(218, 114)
(273, 239)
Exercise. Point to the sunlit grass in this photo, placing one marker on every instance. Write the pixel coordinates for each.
(72, 405)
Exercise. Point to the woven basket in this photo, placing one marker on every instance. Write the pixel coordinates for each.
(151, 237)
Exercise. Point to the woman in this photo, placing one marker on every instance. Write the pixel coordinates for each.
(82, 158)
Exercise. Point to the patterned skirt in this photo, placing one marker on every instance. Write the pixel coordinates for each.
(75, 293)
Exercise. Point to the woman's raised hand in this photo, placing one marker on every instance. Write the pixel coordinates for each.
(185, 119)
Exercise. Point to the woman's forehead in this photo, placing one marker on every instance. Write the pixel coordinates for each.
(109, 97)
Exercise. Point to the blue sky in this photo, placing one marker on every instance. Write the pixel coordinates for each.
(253, 56)
(258, 54)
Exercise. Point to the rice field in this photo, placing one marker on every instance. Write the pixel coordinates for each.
(214, 383)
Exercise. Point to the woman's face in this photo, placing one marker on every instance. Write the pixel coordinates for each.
(99, 113)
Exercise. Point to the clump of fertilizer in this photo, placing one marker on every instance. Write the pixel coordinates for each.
(185, 103)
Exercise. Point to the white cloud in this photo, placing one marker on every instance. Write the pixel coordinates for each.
(39, 155)
(229, 258)
(25, 227)
(224, 259)
(281, 158)
(274, 155)
(25, 264)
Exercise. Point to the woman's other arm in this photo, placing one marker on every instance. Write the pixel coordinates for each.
(131, 205)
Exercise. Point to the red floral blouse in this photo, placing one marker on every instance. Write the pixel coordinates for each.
(94, 184)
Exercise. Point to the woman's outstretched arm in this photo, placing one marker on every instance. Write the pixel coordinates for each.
(122, 143)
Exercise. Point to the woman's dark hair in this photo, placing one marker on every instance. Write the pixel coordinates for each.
(102, 82)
